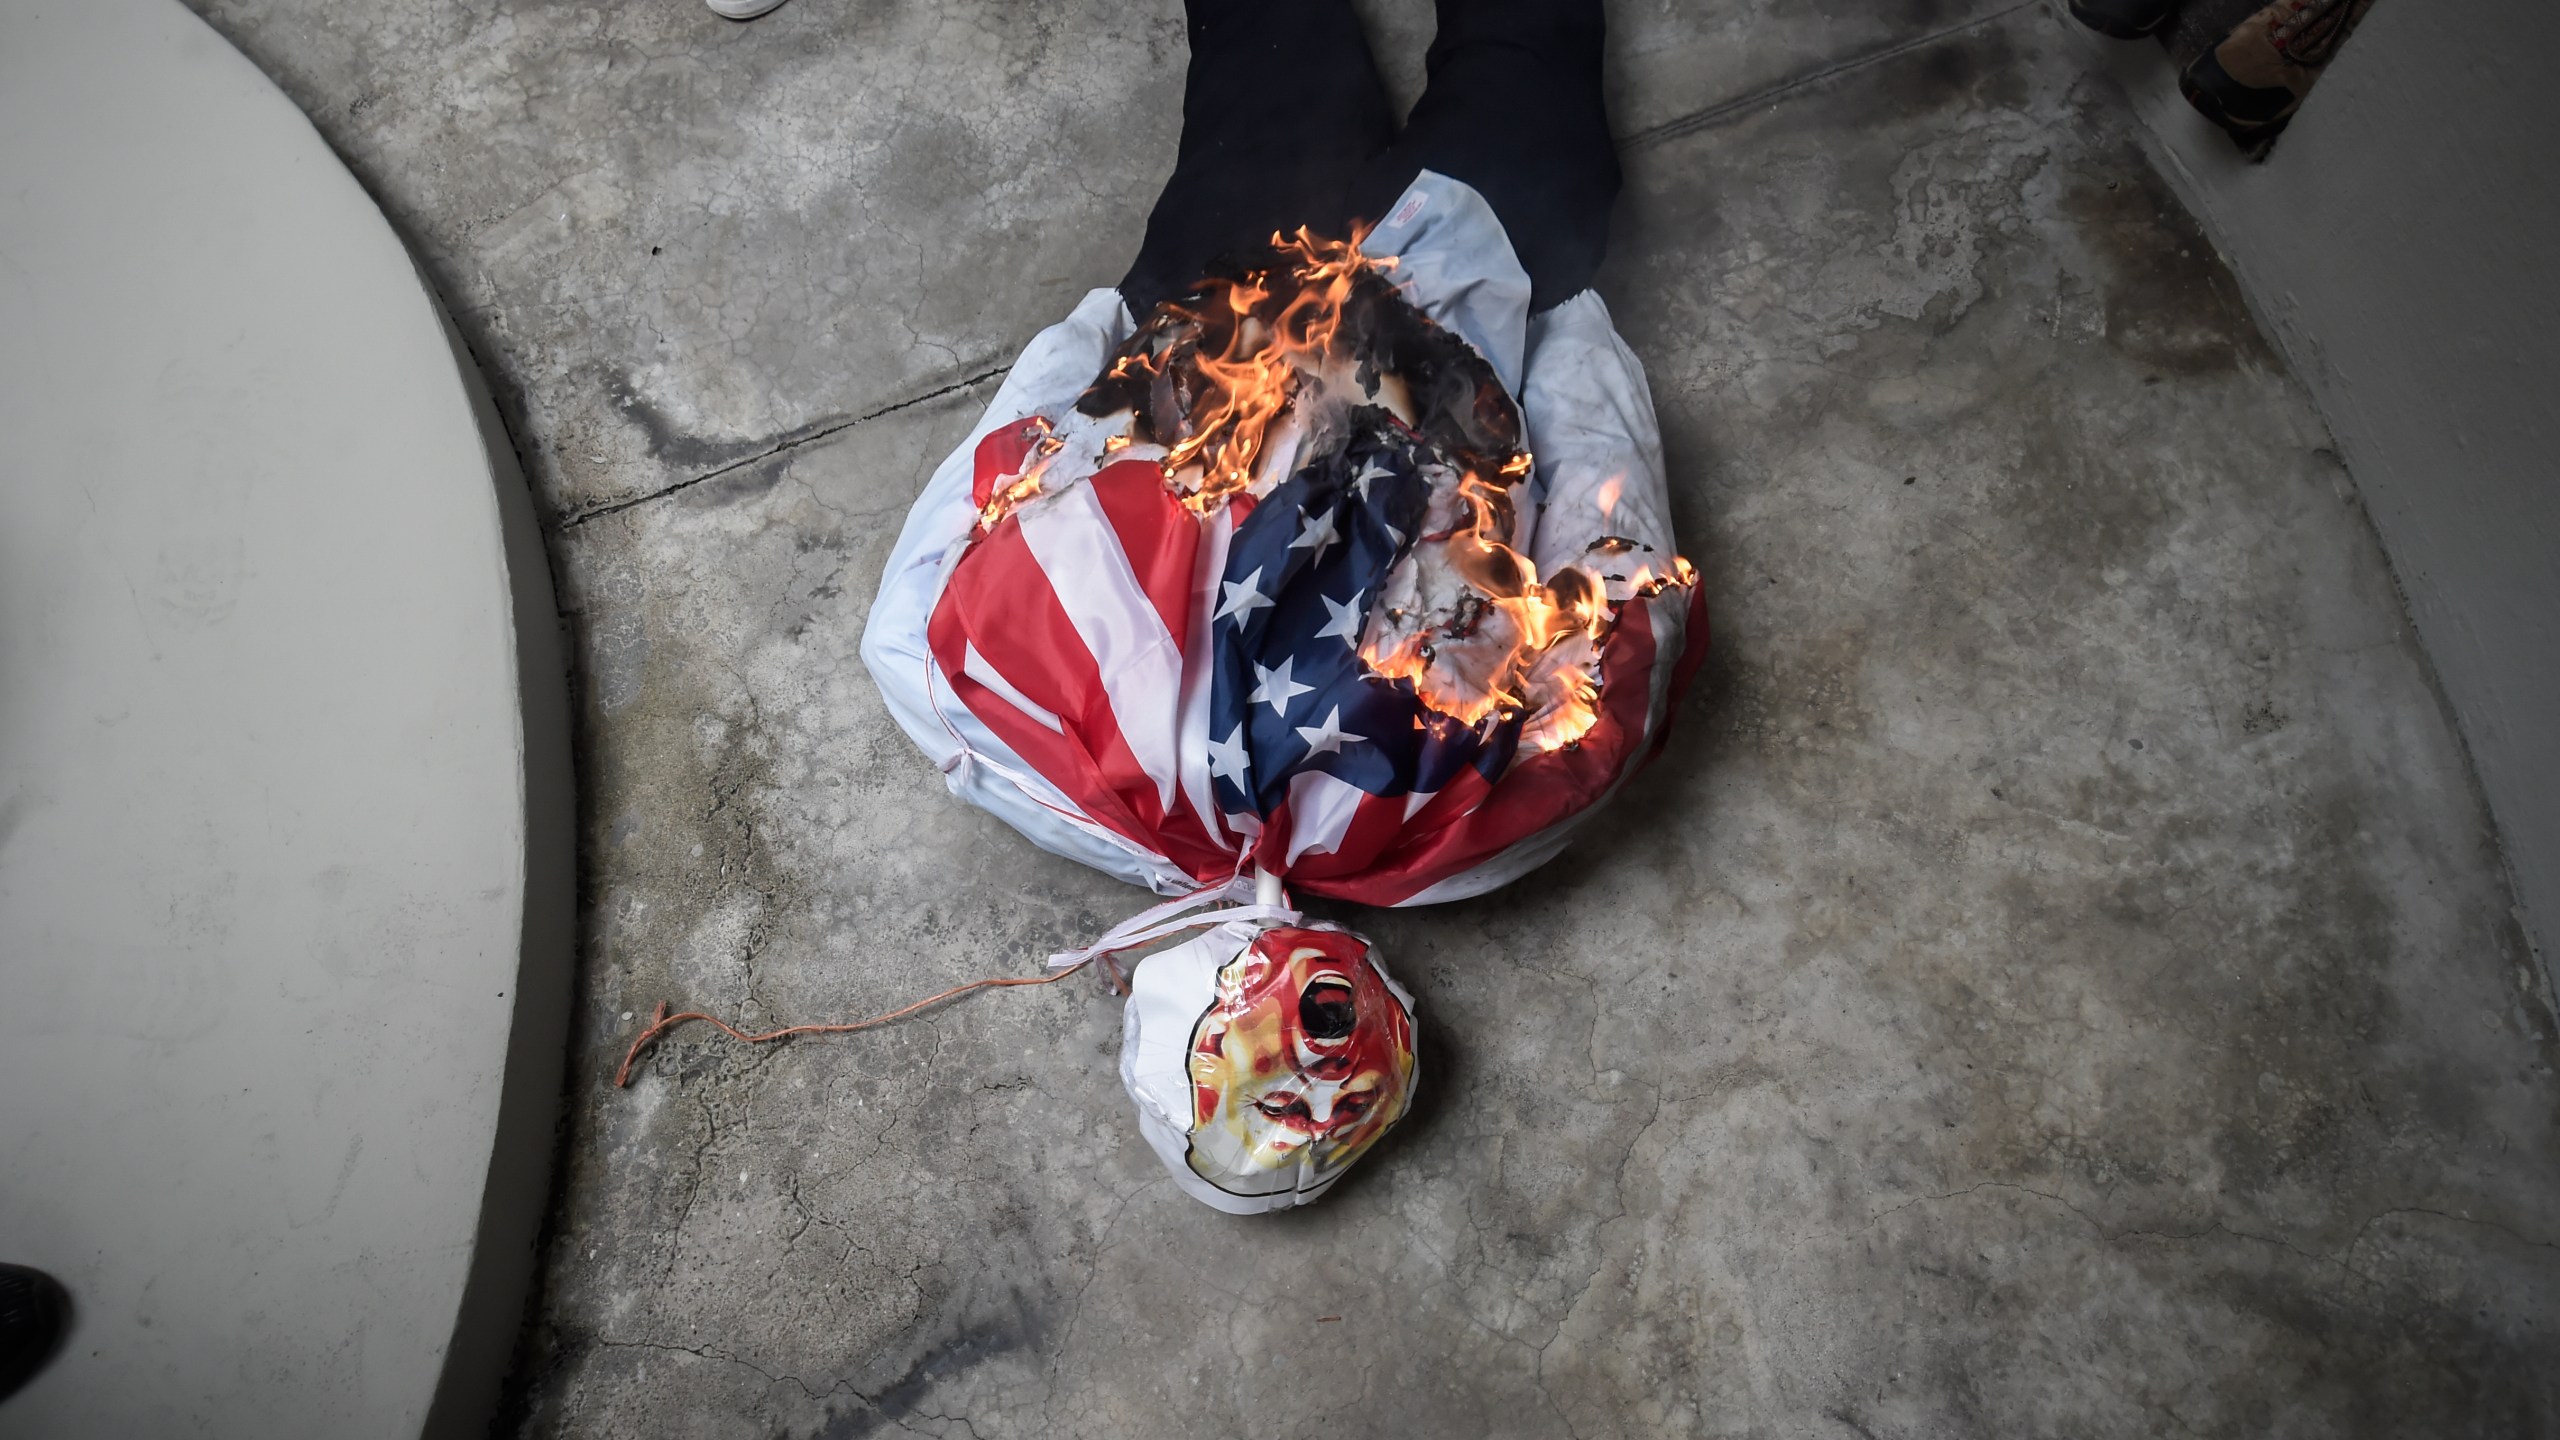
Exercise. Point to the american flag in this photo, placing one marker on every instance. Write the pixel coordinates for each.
(1192, 683)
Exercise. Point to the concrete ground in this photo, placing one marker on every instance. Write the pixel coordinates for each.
(2060, 981)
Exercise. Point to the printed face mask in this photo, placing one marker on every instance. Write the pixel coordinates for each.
(1297, 1054)
(1302, 1062)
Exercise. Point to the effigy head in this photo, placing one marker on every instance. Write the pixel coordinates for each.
(1264, 1063)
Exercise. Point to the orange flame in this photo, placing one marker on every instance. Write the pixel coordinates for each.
(1012, 491)
(1499, 667)
(1251, 381)
(1510, 661)
(1511, 646)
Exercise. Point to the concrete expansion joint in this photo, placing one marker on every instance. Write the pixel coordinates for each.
(1723, 110)
(791, 442)
(2507, 1230)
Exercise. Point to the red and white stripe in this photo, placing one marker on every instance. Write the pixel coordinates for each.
(1077, 630)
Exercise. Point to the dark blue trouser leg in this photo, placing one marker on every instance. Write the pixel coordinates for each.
(1514, 109)
(1284, 123)
(1281, 111)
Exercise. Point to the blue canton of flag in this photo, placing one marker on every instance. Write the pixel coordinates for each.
(1290, 693)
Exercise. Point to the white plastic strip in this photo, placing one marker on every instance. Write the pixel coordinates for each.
(1158, 921)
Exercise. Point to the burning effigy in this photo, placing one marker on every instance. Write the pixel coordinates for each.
(1273, 552)
(1274, 598)
(1340, 573)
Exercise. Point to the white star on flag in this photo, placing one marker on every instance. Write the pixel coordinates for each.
(1370, 470)
(1226, 757)
(1275, 688)
(1319, 533)
(1346, 618)
(1330, 737)
(1243, 598)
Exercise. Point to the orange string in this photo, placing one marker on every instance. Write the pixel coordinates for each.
(662, 1022)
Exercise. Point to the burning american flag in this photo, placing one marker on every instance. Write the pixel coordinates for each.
(1263, 595)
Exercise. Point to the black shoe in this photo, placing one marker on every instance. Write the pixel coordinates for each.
(34, 1314)
(2124, 19)
(2253, 81)
(2251, 114)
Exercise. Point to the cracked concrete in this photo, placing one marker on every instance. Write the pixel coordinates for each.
(2059, 981)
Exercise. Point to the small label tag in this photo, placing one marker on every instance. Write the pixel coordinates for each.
(1406, 212)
